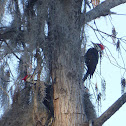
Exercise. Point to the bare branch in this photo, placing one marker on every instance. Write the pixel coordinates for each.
(110, 111)
(102, 9)
(12, 50)
(7, 32)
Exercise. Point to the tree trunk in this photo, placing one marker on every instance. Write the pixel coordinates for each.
(65, 46)
(61, 47)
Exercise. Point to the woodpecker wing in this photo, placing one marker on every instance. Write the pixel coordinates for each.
(91, 60)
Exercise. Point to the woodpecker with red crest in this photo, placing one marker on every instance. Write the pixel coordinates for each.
(91, 59)
(28, 78)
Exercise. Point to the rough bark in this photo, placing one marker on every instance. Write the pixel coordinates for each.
(64, 33)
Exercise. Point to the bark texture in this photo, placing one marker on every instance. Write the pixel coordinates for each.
(64, 33)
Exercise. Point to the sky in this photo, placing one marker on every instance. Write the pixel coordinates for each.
(109, 72)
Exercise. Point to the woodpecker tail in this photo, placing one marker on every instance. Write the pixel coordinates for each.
(85, 76)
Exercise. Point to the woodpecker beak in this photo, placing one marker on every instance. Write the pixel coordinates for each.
(96, 46)
(93, 43)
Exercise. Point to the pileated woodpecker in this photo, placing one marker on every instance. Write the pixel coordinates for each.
(29, 78)
(91, 59)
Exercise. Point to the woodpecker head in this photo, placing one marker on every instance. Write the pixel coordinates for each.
(28, 78)
(99, 47)
(25, 78)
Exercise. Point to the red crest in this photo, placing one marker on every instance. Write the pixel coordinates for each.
(101, 46)
(25, 78)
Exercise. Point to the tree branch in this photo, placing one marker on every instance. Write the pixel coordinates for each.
(12, 50)
(7, 32)
(102, 9)
(110, 111)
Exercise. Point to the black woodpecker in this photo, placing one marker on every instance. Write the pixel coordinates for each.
(91, 59)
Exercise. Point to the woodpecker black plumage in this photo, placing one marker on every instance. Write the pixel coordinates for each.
(91, 59)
